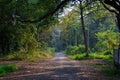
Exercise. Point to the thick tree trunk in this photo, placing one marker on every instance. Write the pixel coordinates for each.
(118, 21)
(83, 28)
(117, 52)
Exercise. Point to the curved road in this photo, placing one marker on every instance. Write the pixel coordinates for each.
(57, 68)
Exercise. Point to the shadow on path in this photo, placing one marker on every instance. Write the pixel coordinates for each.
(57, 68)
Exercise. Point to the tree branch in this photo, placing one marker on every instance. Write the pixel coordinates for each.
(113, 4)
(111, 10)
(46, 15)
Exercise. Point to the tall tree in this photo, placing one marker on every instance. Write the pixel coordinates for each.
(83, 29)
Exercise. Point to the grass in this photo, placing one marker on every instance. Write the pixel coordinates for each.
(6, 69)
(31, 56)
(109, 70)
(91, 56)
(78, 57)
(28, 57)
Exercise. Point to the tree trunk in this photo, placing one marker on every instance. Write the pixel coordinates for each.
(83, 29)
(117, 54)
(118, 21)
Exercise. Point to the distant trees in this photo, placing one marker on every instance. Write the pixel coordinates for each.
(97, 21)
(25, 23)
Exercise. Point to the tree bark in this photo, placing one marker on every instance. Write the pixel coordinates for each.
(118, 21)
(118, 54)
(83, 29)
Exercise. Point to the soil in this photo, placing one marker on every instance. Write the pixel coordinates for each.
(59, 67)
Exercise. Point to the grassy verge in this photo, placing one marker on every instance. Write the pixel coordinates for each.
(28, 56)
(91, 56)
(109, 70)
(6, 69)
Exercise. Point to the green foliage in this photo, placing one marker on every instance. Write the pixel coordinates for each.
(81, 49)
(97, 20)
(32, 1)
(31, 56)
(40, 8)
(71, 49)
(109, 70)
(78, 57)
(101, 56)
(107, 40)
(104, 56)
(75, 49)
(107, 52)
(21, 41)
(5, 69)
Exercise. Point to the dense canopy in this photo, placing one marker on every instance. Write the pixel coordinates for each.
(30, 26)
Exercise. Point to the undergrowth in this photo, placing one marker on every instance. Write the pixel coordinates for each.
(91, 56)
(6, 69)
(29, 56)
(109, 70)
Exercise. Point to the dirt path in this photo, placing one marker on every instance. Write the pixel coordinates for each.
(57, 68)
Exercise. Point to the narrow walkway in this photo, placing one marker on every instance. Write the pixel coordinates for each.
(57, 68)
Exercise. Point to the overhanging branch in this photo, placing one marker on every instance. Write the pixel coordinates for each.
(113, 3)
(46, 15)
(111, 10)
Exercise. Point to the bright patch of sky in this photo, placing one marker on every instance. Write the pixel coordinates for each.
(66, 11)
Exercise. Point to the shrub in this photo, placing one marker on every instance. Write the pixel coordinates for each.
(92, 56)
(107, 52)
(32, 55)
(5, 69)
(75, 49)
(109, 70)
(81, 49)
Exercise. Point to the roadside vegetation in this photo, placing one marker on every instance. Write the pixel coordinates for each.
(108, 70)
(6, 69)
(32, 56)
(106, 57)
(34, 29)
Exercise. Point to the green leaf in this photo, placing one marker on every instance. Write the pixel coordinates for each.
(33, 1)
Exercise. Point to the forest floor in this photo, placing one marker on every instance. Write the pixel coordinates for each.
(57, 68)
